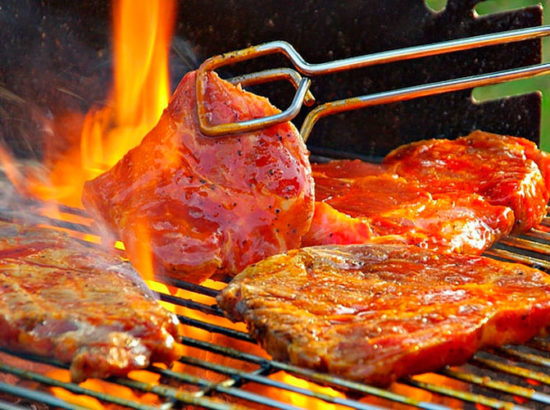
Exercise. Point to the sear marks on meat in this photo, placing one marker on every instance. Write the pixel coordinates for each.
(375, 313)
(508, 171)
(206, 204)
(79, 305)
(358, 202)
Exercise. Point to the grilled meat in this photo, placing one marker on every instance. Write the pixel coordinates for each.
(375, 313)
(206, 204)
(508, 171)
(358, 202)
(82, 306)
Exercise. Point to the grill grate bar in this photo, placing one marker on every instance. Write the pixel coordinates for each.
(201, 307)
(219, 387)
(515, 257)
(34, 395)
(179, 395)
(72, 387)
(537, 235)
(528, 245)
(160, 390)
(202, 290)
(465, 396)
(226, 331)
(498, 385)
(273, 383)
(482, 360)
(321, 378)
(526, 357)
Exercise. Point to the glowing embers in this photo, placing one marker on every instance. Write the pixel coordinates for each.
(93, 392)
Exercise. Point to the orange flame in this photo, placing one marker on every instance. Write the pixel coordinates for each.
(141, 90)
(142, 33)
(107, 388)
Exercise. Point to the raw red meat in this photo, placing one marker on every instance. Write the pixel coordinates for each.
(504, 170)
(358, 202)
(375, 313)
(202, 205)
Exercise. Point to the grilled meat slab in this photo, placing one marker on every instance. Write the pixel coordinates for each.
(508, 171)
(375, 313)
(358, 202)
(206, 204)
(79, 305)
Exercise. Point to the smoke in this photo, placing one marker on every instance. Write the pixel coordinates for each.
(55, 65)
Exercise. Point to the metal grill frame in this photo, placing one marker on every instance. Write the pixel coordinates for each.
(515, 368)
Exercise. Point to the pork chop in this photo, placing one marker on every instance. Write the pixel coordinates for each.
(201, 205)
(358, 202)
(504, 170)
(82, 306)
(375, 313)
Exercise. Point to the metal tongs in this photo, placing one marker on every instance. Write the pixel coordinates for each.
(302, 84)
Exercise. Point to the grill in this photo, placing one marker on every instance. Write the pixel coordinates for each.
(222, 367)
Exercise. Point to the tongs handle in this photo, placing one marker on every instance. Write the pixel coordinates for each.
(357, 62)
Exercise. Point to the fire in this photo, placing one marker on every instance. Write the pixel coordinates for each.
(94, 142)
(218, 339)
(105, 387)
(303, 401)
(142, 32)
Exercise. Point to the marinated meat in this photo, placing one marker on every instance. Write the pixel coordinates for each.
(358, 202)
(508, 171)
(205, 204)
(79, 305)
(349, 168)
(375, 313)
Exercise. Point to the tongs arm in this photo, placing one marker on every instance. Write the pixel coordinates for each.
(357, 62)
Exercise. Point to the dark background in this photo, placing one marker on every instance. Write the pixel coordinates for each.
(55, 60)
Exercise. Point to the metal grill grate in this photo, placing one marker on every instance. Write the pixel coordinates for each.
(221, 366)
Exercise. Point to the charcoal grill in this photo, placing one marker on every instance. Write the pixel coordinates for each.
(222, 366)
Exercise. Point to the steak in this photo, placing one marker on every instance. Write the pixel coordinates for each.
(506, 171)
(202, 204)
(358, 202)
(374, 313)
(80, 305)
